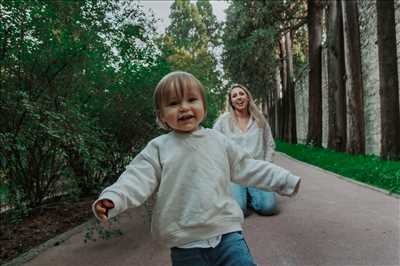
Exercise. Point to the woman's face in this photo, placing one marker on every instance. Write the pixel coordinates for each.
(239, 99)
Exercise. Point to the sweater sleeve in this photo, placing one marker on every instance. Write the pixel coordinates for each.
(269, 144)
(139, 180)
(259, 173)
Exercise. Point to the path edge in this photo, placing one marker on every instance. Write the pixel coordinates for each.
(381, 190)
(55, 241)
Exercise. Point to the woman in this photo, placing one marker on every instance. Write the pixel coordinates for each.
(247, 126)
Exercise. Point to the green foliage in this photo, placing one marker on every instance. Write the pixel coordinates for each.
(211, 29)
(250, 38)
(20, 210)
(189, 44)
(3, 192)
(251, 41)
(368, 169)
(77, 80)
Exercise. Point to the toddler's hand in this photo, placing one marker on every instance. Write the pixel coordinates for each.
(296, 189)
(101, 208)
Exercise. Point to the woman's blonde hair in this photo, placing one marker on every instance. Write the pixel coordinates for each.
(252, 108)
(176, 82)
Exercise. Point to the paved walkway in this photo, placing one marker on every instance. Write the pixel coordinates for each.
(330, 222)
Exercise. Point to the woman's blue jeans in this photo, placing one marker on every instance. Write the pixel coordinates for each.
(231, 251)
(262, 202)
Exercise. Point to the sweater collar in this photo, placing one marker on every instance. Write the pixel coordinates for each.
(197, 133)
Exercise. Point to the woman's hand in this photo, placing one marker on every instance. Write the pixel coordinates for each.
(101, 208)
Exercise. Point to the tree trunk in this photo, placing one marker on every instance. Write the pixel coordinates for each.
(283, 106)
(292, 133)
(336, 74)
(356, 141)
(271, 108)
(275, 97)
(314, 135)
(388, 80)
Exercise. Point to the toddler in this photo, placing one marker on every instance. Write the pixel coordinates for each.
(190, 170)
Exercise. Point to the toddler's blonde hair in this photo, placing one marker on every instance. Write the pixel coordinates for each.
(176, 81)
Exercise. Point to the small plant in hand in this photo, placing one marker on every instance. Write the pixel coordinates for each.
(108, 228)
(102, 230)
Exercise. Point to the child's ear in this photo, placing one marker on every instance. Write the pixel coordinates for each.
(159, 115)
(162, 119)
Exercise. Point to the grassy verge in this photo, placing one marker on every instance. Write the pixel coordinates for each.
(368, 169)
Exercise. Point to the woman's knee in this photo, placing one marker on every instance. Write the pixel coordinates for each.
(267, 209)
(264, 203)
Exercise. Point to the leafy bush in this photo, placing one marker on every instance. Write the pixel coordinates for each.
(77, 83)
(77, 80)
(48, 148)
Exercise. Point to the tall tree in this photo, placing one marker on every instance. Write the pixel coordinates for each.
(183, 29)
(188, 45)
(250, 38)
(253, 49)
(388, 80)
(72, 89)
(287, 107)
(356, 137)
(283, 103)
(314, 135)
(275, 106)
(336, 78)
(251, 45)
(212, 27)
(291, 128)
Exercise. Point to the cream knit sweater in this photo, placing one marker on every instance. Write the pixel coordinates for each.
(190, 174)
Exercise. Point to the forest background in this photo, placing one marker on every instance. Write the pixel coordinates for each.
(77, 79)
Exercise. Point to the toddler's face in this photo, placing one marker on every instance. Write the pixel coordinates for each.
(185, 113)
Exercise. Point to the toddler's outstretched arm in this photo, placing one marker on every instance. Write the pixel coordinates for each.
(101, 208)
(296, 188)
(264, 175)
(139, 180)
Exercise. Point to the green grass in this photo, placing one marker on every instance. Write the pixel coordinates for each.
(368, 169)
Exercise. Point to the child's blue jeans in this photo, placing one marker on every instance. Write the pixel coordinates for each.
(262, 202)
(231, 251)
